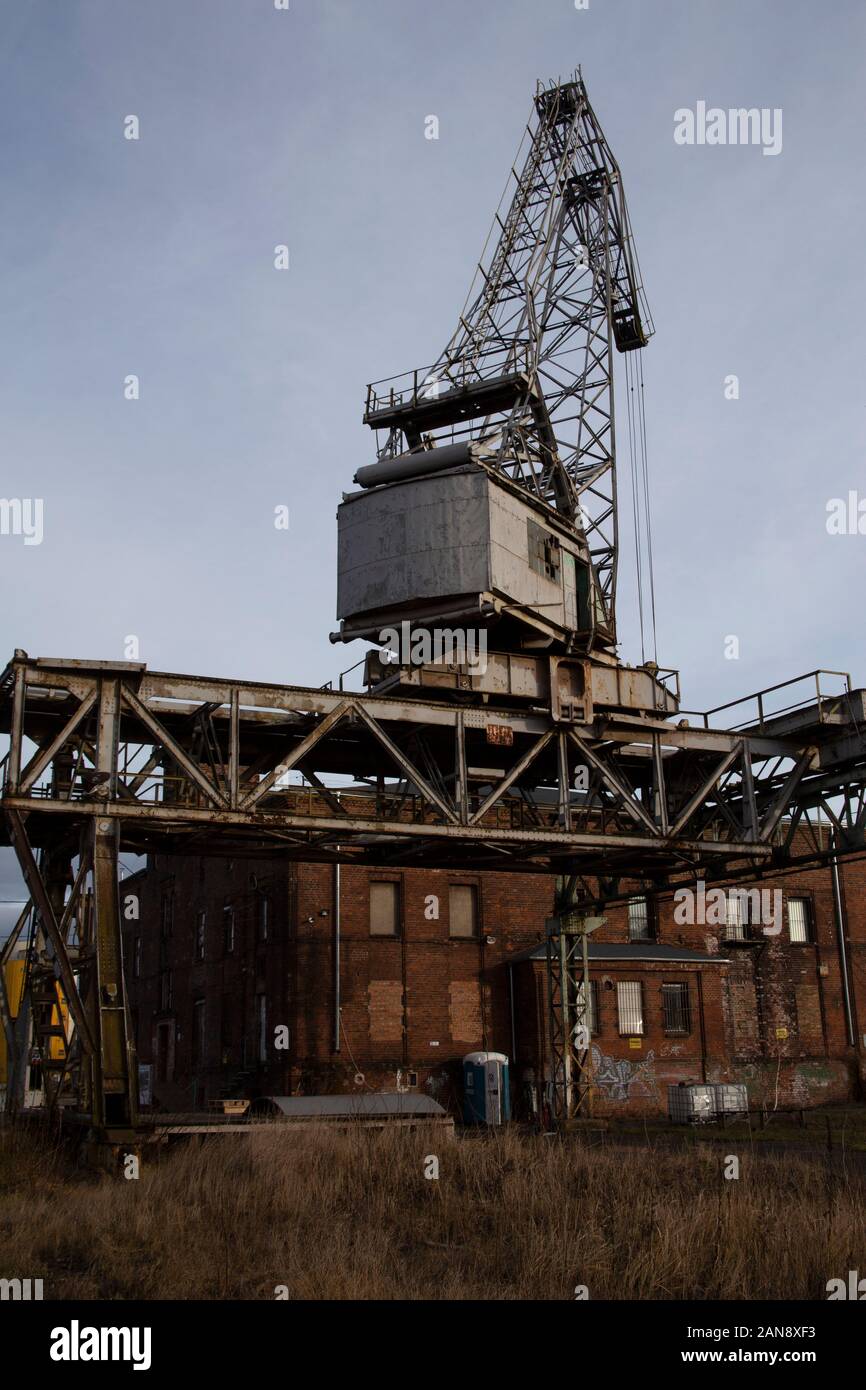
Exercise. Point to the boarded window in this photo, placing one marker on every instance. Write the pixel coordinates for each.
(385, 1006)
(463, 910)
(629, 1006)
(384, 908)
(799, 920)
(640, 920)
(675, 1008)
(464, 998)
(744, 1016)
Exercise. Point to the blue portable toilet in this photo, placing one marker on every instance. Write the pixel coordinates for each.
(486, 1092)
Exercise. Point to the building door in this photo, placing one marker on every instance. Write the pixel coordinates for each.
(569, 590)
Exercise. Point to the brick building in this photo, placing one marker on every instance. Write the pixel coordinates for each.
(267, 977)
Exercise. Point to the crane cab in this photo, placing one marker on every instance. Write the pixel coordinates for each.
(458, 545)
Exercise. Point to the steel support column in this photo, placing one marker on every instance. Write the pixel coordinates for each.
(569, 1014)
(114, 1091)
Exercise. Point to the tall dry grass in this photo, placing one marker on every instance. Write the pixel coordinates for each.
(352, 1216)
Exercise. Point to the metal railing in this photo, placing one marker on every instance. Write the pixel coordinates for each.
(816, 696)
(429, 383)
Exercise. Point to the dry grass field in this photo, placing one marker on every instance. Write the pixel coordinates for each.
(352, 1216)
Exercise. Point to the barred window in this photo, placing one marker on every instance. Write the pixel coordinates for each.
(676, 1009)
(640, 920)
(629, 1007)
(799, 920)
(384, 908)
(463, 910)
(735, 926)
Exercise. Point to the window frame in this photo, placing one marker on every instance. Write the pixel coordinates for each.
(650, 933)
(263, 919)
(475, 898)
(639, 1032)
(808, 920)
(396, 886)
(685, 1012)
(735, 930)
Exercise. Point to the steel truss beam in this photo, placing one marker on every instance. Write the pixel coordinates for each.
(124, 758)
(464, 785)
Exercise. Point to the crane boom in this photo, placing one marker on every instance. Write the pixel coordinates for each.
(527, 376)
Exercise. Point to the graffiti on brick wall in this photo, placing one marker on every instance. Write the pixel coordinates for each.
(795, 1083)
(623, 1079)
(808, 1081)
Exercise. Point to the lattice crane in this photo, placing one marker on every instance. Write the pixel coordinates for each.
(526, 381)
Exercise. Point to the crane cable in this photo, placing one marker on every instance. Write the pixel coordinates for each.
(648, 512)
(635, 501)
(643, 542)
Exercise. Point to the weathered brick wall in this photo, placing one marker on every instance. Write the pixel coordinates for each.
(632, 1074)
(416, 1002)
(774, 1015)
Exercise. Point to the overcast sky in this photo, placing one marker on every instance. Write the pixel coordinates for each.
(260, 126)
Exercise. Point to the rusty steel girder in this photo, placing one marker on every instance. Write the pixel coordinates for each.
(105, 757)
(184, 760)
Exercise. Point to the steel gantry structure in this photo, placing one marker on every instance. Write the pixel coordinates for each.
(111, 757)
(493, 501)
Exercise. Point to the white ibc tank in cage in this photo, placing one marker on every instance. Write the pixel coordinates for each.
(731, 1098)
(691, 1104)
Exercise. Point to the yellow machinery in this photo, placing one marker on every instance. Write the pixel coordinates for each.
(48, 1047)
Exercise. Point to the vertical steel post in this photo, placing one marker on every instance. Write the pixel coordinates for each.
(114, 1101)
(568, 985)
